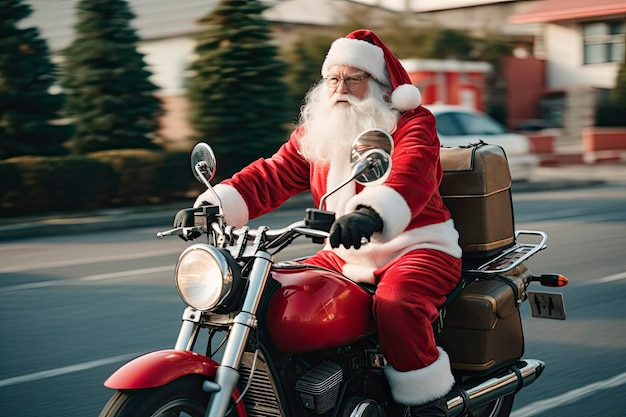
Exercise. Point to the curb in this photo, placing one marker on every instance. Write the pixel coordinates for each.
(66, 225)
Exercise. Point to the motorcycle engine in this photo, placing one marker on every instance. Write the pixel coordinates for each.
(318, 389)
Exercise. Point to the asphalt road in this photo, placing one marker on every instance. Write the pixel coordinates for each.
(75, 306)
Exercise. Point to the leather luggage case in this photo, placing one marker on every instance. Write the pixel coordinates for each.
(482, 327)
(476, 188)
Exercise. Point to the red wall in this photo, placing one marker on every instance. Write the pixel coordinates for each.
(448, 87)
(525, 83)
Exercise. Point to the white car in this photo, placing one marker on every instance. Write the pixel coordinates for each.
(458, 126)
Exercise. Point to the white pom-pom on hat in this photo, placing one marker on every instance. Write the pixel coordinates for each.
(406, 97)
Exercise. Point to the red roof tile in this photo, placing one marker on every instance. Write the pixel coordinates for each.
(556, 10)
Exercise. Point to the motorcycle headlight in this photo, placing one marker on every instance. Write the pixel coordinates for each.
(204, 277)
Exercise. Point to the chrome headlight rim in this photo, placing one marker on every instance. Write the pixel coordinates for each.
(206, 277)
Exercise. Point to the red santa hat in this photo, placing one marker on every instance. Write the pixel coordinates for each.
(364, 50)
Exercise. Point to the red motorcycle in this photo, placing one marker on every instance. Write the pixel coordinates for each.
(286, 339)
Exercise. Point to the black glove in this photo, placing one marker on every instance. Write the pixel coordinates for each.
(185, 218)
(349, 229)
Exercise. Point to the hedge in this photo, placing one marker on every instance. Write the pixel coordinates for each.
(106, 179)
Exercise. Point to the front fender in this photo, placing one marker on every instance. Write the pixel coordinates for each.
(159, 368)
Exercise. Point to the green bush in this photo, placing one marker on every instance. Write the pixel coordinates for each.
(46, 184)
(147, 177)
(39, 185)
(610, 114)
(9, 186)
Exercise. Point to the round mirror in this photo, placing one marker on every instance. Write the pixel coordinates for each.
(203, 162)
(370, 139)
(371, 156)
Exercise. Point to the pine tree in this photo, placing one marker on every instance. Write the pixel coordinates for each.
(236, 93)
(27, 108)
(305, 59)
(109, 94)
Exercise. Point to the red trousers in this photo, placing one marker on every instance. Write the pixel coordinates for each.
(409, 291)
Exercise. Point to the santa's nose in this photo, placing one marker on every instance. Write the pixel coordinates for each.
(342, 87)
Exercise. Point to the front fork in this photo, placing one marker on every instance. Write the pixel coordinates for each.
(227, 374)
(189, 329)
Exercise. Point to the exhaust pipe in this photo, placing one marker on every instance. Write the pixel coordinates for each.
(465, 397)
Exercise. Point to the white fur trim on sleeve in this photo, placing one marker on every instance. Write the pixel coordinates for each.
(390, 206)
(421, 386)
(235, 208)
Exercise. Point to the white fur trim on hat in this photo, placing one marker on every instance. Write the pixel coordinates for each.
(358, 54)
(421, 385)
(406, 97)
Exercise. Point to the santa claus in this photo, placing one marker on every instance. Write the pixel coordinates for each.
(413, 256)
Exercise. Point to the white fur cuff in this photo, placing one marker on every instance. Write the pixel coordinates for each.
(390, 206)
(421, 385)
(235, 209)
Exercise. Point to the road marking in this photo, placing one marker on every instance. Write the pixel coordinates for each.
(85, 261)
(575, 395)
(604, 280)
(65, 370)
(88, 278)
(612, 278)
(123, 274)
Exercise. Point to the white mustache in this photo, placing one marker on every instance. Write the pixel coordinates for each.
(343, 97)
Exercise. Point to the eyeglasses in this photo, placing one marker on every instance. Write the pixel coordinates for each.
(350, 82)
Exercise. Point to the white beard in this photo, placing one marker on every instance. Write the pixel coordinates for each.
(332, 127)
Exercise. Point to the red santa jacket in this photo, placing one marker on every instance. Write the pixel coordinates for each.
(408, 202)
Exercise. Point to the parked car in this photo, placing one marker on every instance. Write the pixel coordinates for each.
(457, 126)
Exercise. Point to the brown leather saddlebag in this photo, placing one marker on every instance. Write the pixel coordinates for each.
(476, 188)
(482, 328)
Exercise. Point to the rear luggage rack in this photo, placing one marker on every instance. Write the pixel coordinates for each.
(513, 256)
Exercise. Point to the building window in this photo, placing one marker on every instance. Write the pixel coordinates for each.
(603, 42)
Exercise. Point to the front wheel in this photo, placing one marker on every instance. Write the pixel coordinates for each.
(498, 408)
(182, 397)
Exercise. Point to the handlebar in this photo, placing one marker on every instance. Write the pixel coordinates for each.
(178, 231)
(273, 237)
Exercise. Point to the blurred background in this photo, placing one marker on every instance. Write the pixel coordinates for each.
(102, 101)
(119, 91)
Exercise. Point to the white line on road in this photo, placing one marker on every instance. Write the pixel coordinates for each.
(85, 261)
(611, 278)
(88, 278)
(604, 280)
(65, 370)
(123, 274)
(542, 406)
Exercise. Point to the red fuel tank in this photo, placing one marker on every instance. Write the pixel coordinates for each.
(316, 309)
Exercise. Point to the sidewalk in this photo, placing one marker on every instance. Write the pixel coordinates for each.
(545, 178)
(87, 222)
(574, 176)
(575, 155)
(107, 219)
